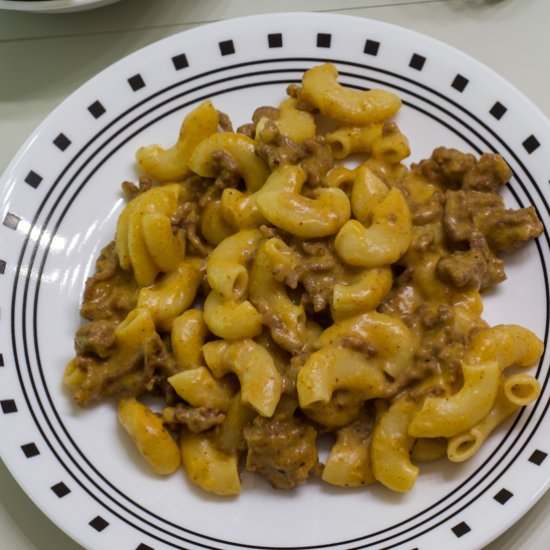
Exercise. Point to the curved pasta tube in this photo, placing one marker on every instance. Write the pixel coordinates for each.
(321, 89)
(199, 388)
(384, 241)
(506, 344)
(521, 389)
(292, 122)
(281, 255)
(241, 209)
(187, 337)
(387, 338)
(333, 368)
(367, 192)
(449, 416)
(260, 380)
(226, 270)
(214, 227)
(207, 466)
(231, 319)
(305, 217)
(382, 141)
(173, 293)
(391, 446)
(342, 409)
(166, 249)
(392, 146)
(464, 445)
(349, 462)
(429, 449)
(353, 139)
(285, 319)
(230, 437)
(365, 292)
(164, 165)
(149, 435)
(252, 168)
(131, 244)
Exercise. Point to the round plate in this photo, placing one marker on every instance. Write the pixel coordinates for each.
(53, 6)
(59, 201)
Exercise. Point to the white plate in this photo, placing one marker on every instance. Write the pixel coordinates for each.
(59, 202)
(53, 6)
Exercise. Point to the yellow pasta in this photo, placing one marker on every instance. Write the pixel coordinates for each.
(260, 381)
(448, 416)
(208, 467)
(266, 289)
(241, 148)
(167, 165)
(321, 88)
(153, 441)
(391, 446)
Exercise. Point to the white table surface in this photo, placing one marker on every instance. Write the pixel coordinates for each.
(45, 57)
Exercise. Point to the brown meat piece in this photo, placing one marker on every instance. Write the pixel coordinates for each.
(452, 169)
(468, 212)
(124, 374)
(427, 211)
(463, 207)
(282, 449)
(197, 419)
(98, 378)
(446, 167)
(278, 150)
(111, 292)
(318, 160)
(488, 174)
(96, 338)
(313, 155)
(224, 122)
(477, 268)
(271, 113)
(131, 190)
(511, 228)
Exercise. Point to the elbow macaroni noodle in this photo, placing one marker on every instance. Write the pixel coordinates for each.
(271, 285)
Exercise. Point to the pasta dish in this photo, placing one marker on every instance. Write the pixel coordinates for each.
(262, 291)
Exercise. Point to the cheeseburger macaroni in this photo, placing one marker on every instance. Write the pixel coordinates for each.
(269, 293)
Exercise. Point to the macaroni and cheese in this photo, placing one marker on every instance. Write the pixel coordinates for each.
(269, 293)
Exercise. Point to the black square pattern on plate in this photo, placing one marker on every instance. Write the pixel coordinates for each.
(503, 496)
(459, 83)
(180, 61)
(136, 82)
(1, 360)
(275, 40)
(323, 40)
(30, 450)
(8, 406)
(98, 523)
(96, 109)
(60, 489)
(144, 547)
(531, 144)
(11, 221)
(460, 529)
(33, 179)
(538, 457)
(372, 47)
(227, 47)
(2, 267)
(417, 61)
(62, 142)
(498, 110)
